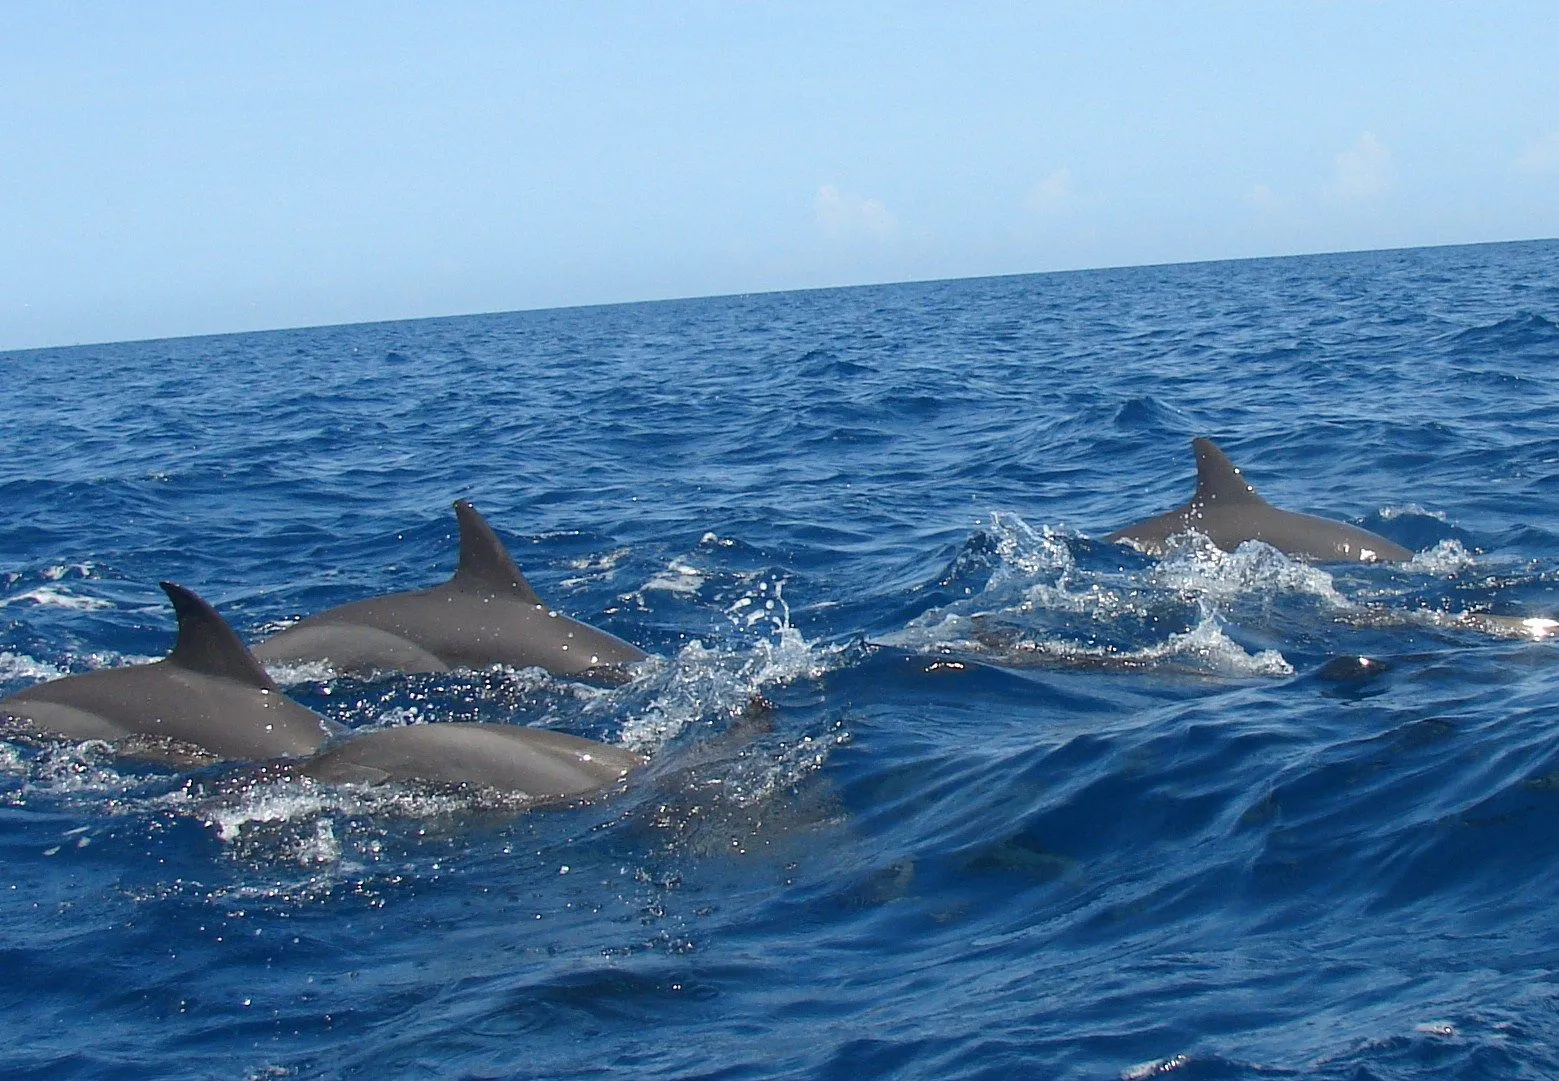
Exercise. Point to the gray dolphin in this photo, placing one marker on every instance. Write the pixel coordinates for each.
(1228, 511)
(486, 614)
(208, 694)
(531, 762)
(211, 698)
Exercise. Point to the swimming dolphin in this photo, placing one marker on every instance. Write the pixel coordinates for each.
(1228, 511)
(486, 614)
(531, 762)
(210, 698)
(208, 694)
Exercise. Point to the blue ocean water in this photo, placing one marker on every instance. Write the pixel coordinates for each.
(1027, 803)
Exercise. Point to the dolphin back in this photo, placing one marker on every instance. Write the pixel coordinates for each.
(485, 614)
(531, 762)
(208, 694)
(1228, 510)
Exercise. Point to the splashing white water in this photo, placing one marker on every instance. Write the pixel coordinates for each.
(1412, 510)
(1192, 564)
(1041, 607)
(21, 666)
(1445, 559)
(1205, 648)
(701, 682)
(1029, 552)
(288, 675)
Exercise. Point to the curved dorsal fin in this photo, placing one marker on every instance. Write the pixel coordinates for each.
(207, 645)
(485, 564)
(1217, 478)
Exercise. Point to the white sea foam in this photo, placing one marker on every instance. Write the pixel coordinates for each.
(1413, 510)
(1041, 564)
(111, 659)
(57, 598)
(595, 567)
(1205, 648)
(320, 847)
(1156, 1068)
(302, 672)
(1447, 558)
(21, 666)
(1193, 564)
(85, 768)
(1029, 551)
(678, 577)
(605, 562)
(12, 761)
(265, 813)
(701, 682)
(67, 570)
(273, 627)
(1534, 628)
(269, 803)
(401, 716)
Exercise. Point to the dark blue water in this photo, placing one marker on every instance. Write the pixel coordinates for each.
(1027, 804)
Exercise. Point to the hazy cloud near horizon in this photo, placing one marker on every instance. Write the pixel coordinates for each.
(1364, 171)
(1540, 155)
(845, 215)
(1051, 195)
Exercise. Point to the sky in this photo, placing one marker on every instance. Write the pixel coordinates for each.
(169, 169)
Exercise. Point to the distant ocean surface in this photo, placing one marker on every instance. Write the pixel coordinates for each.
(1027, 804)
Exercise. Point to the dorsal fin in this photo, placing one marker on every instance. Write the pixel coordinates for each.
(1218, 479)
(485, 564)
(207, 645)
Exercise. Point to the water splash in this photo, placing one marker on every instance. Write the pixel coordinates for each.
(1447, 558)
(19, 666)
(702, 682)
(1043, 607)
(1192, 564)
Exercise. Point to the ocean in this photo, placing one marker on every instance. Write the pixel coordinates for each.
(941, 783)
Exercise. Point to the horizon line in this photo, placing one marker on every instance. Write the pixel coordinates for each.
(768, 292)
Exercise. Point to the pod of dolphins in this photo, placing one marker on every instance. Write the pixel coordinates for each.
(212, 699)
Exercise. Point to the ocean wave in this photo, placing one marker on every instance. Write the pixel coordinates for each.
(1214, 815)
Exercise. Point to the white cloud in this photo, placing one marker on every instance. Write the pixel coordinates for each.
(840, 214)
(1364, 170)
(1052, 194)
(1261, 195)
(1540, 155)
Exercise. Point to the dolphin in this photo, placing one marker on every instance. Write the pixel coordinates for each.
(210, 698)
(486, 614)
(208, 694)
(1228, 511)
(535, 763)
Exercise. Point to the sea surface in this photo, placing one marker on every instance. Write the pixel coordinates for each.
(941, 783)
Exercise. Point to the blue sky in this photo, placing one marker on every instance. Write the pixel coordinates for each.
(171, 169)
